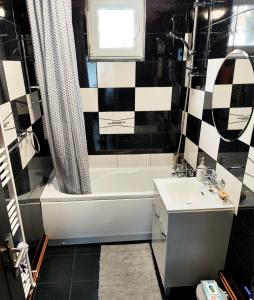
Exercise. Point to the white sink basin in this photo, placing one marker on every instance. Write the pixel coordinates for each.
(179, 194)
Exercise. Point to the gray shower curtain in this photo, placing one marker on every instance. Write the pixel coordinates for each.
(57, 75)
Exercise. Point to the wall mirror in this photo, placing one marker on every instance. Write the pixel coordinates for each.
(233, 95)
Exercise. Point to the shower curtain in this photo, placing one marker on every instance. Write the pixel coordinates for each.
(57, 75)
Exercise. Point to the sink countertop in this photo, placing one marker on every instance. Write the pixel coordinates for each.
(188, 194)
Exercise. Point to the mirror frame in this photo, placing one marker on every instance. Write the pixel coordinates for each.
(233, 53)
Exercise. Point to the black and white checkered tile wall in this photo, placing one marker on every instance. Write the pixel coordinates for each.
(202, 138)
(20, 108)
(134, 107)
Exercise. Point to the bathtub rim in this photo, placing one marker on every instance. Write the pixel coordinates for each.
(51, 195)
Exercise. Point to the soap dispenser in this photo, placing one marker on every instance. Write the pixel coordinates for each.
(201, 170)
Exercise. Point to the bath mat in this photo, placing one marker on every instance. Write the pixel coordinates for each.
(127, 273)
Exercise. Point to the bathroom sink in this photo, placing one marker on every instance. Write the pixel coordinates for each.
(179, 194)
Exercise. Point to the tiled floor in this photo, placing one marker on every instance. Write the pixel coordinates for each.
(69, 273)
(72, 273)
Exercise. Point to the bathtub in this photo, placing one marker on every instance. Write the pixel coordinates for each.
(119, 209)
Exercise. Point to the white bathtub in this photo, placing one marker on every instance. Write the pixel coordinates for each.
(119, 209)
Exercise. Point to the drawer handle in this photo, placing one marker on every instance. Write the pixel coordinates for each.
(155, 211)
(162, 232)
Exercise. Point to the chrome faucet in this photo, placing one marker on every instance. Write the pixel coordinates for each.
(183, 170)
(211, 176)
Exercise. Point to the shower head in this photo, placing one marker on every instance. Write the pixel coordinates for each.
(176, 37)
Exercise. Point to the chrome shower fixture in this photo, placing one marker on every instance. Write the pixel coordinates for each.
(174, 36)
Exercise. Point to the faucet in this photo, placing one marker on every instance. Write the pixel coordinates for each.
(211, 176)
(183, 170)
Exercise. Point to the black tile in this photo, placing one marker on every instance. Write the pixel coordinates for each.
(199, 81)
(133, 143)
(233, 156)
(252, 139)
(241, 244)
(15, 159)
(21, 16)
(78, 16)
(38, 130)
(4, 95)
(22, 182)
(159, 46)
(209, 161)
(87, 72)
(178, 97)
(52, 291)
(157, 16)
(246, 214)
(193, 129)
(165, 142)
(84, 290)
(242, 95)
(86, 267)
(208, 116)
(21, 113)
(156, 121)
(226, 72)
(116, 99)
(151, 73)
(246, 204)
(98, 143)
(60, 250)
(57, 269)
(86, 249)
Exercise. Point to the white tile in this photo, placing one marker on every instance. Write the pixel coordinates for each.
(153, 98)
(116, 122)
(243, 72)
(222, 96)
(7, 123)
(191, 153)
(196, 103)
(233, 185)
(34, 107)
(162, 159)
(249, 170)
(89, 98)
(14, 79)
(133, 160)
(116, 74)
(212, 71)
(239, 117)
(102, 161)
(247, 134)
(26, 149)
(209, 140)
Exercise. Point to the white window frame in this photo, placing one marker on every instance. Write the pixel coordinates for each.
(97, 53)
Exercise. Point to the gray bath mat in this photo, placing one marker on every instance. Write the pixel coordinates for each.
(127, 273)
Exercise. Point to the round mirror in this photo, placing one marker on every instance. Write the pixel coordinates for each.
(233, 95)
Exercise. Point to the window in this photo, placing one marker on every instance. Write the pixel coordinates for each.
(116, 29)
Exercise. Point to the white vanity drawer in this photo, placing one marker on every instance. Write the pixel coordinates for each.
(159, 235)
(160, 211)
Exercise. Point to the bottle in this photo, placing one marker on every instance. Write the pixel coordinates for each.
(201, 170)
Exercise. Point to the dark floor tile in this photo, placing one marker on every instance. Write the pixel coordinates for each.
(86, 267)
(61, 250)
(84, 290)
(52, 291)
(86, 249)
(57, 269)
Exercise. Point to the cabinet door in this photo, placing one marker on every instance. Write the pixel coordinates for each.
(159, 238)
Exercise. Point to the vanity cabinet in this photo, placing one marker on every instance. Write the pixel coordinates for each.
(191, 245)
